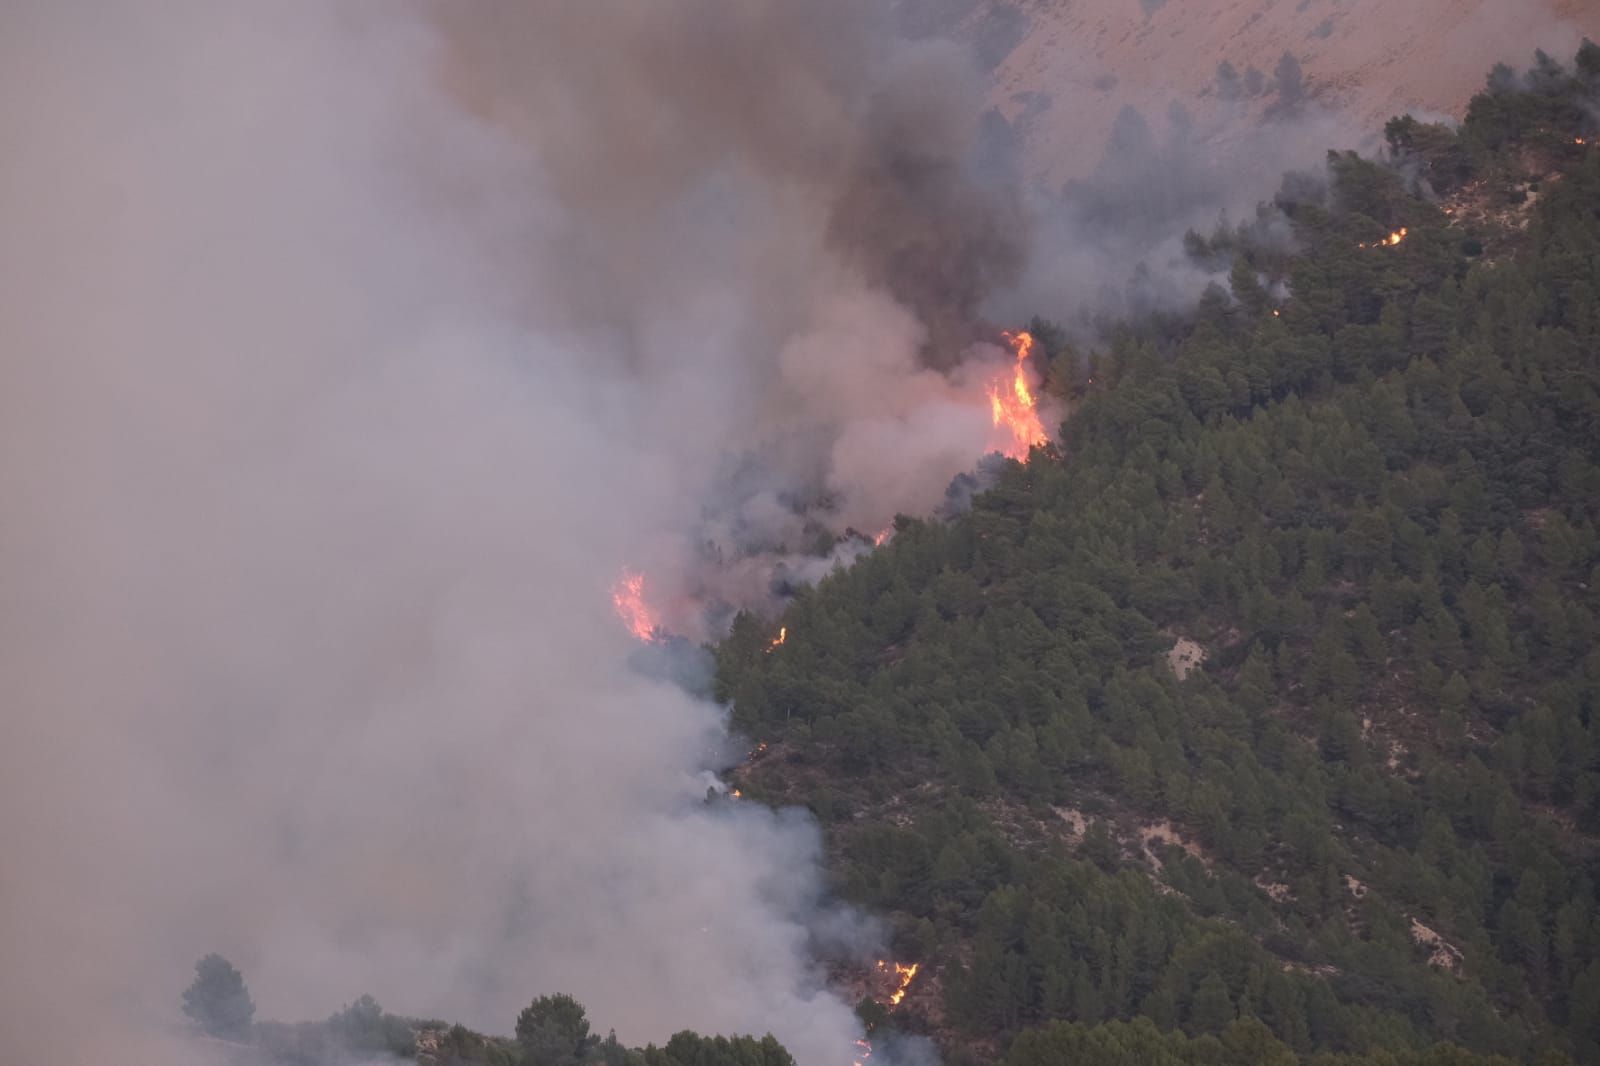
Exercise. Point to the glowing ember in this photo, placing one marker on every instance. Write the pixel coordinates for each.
(906, 975)
(777, 641)
(1012, 403)
(627, 595)
(1391, 240)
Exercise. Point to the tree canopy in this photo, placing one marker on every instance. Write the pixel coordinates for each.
(217, 1000)
(1365, 485)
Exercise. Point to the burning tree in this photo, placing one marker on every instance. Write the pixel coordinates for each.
(1012, 404)
(628, 597)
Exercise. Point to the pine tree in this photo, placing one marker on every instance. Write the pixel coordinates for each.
(217, 1001)
(1211, 1010)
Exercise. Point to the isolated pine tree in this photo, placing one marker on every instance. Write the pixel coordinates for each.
(218, 1001)
(554, 1031)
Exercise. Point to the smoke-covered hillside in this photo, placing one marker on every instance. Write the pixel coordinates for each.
(1063, 70)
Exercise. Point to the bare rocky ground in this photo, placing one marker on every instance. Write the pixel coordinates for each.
(1062, 70)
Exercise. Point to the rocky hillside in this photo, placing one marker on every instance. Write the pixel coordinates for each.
(1064, 69)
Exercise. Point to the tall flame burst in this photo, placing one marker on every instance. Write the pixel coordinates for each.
(1012, 403)
(778, 641)
(627, 595)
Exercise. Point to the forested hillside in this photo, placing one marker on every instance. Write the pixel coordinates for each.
(1270, 694)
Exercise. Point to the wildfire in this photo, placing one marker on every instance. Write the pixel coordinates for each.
(1012, 403)
(877, 540)
(777, 641)
(627, 596)
(905, 974)
(1391, 240)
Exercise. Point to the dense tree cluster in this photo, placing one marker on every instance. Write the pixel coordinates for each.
(1367, 481)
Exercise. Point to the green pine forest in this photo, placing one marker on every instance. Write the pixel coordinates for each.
(1367, 823)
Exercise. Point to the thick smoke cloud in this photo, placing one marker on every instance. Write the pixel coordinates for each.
(777, 214)
(825, 134)
(343, 372)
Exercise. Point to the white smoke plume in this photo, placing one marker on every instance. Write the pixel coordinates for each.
(343, 371)
(777, 215)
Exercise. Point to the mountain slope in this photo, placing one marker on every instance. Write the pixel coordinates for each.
(1064, 69)
(1370, 817)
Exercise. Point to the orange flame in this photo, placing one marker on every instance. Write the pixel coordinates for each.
(906, 975)
(777, 641)
(627, 595)
(877, 541)
(1391, 240)
(1012, 404)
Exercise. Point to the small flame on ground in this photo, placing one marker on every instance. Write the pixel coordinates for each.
(905, 973)
(1391, 240)
(1012, 403)
(627, 596)
(777, 642)
(735, 793)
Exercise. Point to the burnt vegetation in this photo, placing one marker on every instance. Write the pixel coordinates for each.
(1362, 487)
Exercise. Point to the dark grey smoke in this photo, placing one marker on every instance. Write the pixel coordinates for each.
(820, 104)
(918, 213)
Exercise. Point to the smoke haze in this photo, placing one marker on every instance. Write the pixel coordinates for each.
(331, 412)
